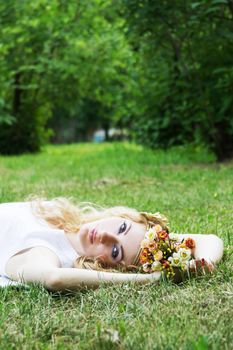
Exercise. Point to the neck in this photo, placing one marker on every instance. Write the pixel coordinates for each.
(74, 240)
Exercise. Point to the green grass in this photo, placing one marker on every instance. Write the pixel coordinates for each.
(187, 185)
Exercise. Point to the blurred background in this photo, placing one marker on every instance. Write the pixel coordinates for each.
(159, 73)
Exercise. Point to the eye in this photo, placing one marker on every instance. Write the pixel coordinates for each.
(122, 228)
(115, 251)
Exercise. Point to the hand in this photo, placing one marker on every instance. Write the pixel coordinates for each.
(202, 265)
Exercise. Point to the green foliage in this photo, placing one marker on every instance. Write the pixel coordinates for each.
(58, 60)
(186, 74)
(161, 69)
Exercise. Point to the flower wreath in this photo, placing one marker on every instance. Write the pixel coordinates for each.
(161, 251)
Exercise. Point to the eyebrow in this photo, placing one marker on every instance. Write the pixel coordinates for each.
(122, 253)
(129, 227)
(125, 233)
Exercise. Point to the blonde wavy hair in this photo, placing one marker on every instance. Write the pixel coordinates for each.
(63, 214)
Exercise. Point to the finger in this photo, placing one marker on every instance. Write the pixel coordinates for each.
(203, 264)
(210, 266)
(193, 266)
(198, 264)
(207, 265)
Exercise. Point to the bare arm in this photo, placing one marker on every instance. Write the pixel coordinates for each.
(61, 279)
(208, 247)
(40, 265)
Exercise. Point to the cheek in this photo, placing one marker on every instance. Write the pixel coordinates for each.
(99, 250)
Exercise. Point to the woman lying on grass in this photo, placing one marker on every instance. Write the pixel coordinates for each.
(64, 246)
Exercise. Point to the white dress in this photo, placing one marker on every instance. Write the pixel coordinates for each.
(21, 229)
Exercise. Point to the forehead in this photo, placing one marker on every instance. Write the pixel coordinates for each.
(131, 239)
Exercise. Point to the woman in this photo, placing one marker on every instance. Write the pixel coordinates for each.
(43, 241)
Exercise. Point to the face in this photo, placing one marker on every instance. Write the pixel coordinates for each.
(113, 240)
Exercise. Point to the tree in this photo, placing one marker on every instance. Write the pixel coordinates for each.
(57, 56)
(185, 52)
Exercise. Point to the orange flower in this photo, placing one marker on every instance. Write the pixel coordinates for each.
(144, 256)
(152, 246)
(145, 252)
(165, 264)
(162, 234)
(143, 260)
(190, 243)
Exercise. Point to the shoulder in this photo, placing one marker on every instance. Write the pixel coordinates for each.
(14, 207)
(42, 256)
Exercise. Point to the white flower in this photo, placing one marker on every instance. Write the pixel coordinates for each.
(158, 255)
(173, 236)
(175, 259)
(185, 254)
(146, 267)
(156, 266)
(151, 235)
(184, 265)
(145, 243)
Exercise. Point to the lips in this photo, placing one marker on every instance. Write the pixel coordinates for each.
(92, 235)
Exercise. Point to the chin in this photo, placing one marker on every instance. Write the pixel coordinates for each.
(83, 233)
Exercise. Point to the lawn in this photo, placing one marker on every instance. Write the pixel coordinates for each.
(188, 186)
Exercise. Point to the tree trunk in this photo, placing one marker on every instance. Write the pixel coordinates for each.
(17, 94)
(106, 132)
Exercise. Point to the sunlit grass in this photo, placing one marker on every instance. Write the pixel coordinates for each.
(185, 184)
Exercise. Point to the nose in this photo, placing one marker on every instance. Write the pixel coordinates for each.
(107, 237)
